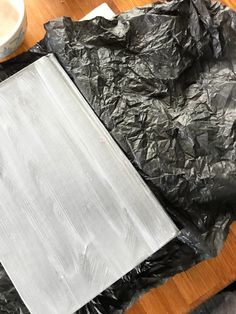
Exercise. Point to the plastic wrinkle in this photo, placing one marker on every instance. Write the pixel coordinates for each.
(162, 79)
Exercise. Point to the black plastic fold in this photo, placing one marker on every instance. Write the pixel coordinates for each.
(162, 79)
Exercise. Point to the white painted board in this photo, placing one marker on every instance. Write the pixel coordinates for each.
(75, 214)
(102, 10)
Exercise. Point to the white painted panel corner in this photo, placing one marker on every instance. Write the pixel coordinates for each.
(75, 214)
(102, 10)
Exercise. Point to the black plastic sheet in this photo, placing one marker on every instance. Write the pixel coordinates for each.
(162, 79)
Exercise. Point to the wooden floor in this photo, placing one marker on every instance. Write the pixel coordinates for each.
(188, 289)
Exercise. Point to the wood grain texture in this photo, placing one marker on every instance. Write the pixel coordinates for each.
(189, 289)
(40, 11)
(176, 296)
(75, 214)
(230, 3)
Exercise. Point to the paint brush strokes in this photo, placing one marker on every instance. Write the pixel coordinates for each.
(75, 215)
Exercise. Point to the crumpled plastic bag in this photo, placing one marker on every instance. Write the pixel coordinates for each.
(222, 303)
(162, 79)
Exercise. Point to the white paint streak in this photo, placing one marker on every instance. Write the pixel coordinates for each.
(75, 215)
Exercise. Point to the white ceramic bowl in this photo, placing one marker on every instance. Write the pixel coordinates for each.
(16, 35)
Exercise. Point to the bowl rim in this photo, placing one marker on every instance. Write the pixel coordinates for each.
(21, 11)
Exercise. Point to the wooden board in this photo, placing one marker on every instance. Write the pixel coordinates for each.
(74, 211)
(188, 289)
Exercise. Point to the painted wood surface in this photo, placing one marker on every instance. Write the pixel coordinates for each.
(75, 214)
(183, 291)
